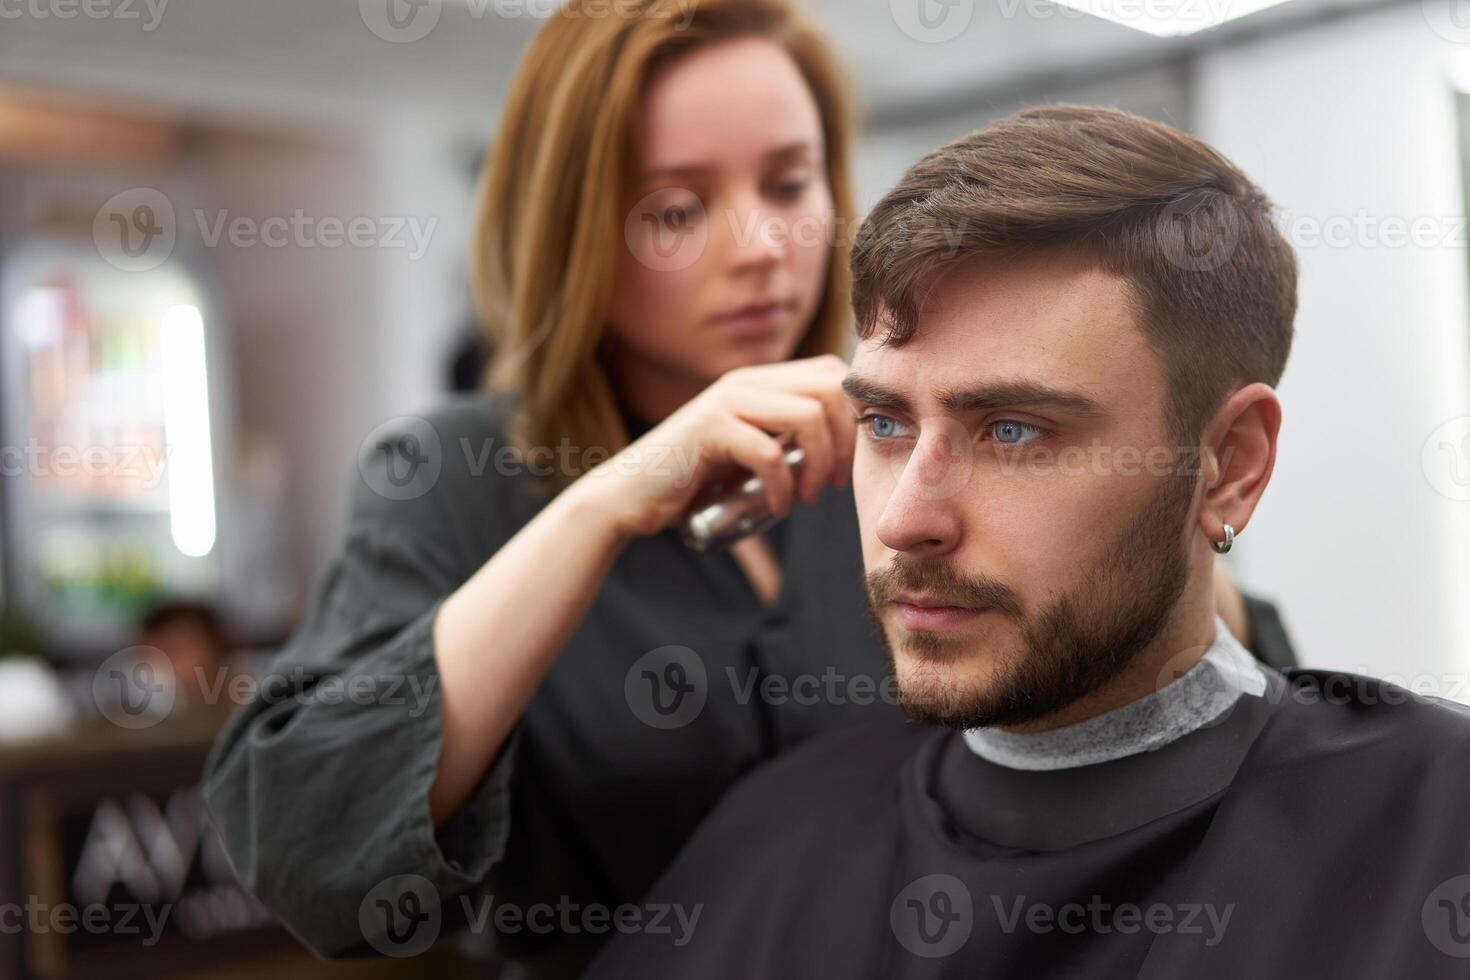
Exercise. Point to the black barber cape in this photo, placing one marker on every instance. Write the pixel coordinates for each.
(1319, 830)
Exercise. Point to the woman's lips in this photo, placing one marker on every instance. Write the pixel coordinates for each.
(935, 617)
(761, 318)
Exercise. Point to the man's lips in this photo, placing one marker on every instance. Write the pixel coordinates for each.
(924, 613)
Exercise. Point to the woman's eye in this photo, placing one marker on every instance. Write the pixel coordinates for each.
(1009, 432)
(881, 426)
(679, 215)
(789, 190)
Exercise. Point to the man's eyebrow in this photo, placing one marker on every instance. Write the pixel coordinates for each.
(776, 155)
(956, 401)
(870, 392)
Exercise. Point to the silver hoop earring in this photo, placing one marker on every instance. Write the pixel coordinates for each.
(1223, 546)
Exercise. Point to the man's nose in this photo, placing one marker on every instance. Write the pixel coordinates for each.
(924, 513)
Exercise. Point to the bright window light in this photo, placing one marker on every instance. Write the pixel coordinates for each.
(1459, 71)
(40, 314)
(186, 432)
(1169, 18)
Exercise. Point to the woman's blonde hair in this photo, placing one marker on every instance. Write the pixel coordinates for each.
(549, 228)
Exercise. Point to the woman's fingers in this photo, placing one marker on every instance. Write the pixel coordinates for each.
(821, 377)
(818, 379)
(763, 455)
(742, 419)
(802, 416)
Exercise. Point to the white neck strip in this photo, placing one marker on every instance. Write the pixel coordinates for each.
(1204, 693)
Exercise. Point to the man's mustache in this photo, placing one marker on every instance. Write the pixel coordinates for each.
(939, 581)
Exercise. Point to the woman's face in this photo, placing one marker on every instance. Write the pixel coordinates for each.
(729, 228)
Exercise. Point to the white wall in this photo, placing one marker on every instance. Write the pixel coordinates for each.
(422, 299)
(884, 154)
(329, 342)
(345, 339)
(1355, 122)
(302, 321)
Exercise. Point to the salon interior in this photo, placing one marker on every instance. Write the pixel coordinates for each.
(234, 241)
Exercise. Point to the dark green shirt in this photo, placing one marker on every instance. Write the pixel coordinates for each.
(678, 681)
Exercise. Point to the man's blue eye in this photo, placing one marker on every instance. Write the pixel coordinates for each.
(1012, 433)
(882, 427)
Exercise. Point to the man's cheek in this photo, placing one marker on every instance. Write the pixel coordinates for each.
(1027, 547)
(870, 490)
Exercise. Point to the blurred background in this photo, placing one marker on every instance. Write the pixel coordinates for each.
(233, 241)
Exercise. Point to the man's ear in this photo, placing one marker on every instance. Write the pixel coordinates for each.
(1239, 452)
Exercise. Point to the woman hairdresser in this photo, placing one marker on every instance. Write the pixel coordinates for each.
(661, 266)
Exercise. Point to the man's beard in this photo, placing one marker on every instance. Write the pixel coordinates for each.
(1070, 648)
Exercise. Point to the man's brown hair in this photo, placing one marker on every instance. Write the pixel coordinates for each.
(1214, 281)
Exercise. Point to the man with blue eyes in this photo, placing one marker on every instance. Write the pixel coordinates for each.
(1071, 325)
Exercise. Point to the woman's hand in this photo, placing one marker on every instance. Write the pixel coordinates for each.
(740, 420)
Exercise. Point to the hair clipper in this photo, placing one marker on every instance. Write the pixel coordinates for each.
(730, 507)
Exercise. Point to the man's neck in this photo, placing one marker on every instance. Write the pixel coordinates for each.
(1223, 674)
(1178, 647)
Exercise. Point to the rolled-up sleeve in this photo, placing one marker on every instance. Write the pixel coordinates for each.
(318, 786)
